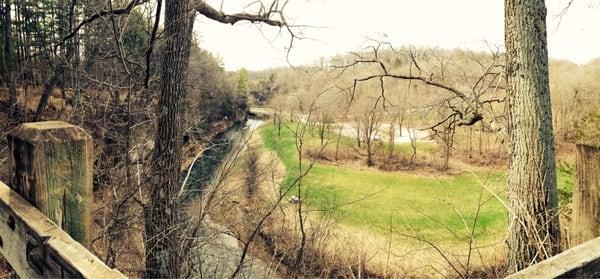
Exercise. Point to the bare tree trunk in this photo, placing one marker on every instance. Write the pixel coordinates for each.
(358, 129)
(70, 49)
(392, 139)
(402, 116)
(48, 86)
(369, 153)
(279, 126)
(470, 142)
(413, 144)
(586, 195)
(164, 256)
(446, 140)
(446, 157)
(8, 62)
(448, 145)
(481, 140)
(534, 231)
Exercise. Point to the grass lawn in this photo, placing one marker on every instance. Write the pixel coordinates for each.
(436, 208)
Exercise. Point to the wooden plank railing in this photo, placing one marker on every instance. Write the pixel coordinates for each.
(45, 216)
(35, 247)
(582, 261)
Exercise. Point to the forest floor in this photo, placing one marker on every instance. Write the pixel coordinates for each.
(460, 212)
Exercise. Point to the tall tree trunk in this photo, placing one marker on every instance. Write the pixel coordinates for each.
(534, 232)
(8, 61)
(67, 22)
(73, 45)
(165, 256)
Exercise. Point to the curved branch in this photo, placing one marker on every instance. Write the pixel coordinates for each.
(427, 81)
(214, 14)
(119, 11)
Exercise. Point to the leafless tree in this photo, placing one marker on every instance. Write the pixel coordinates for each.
(369, 125)
(467, 102)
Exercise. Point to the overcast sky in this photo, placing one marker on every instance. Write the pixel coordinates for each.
(343, 25)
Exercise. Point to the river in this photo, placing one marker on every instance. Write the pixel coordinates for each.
(219, 252)
(349, 128)
(204, 169)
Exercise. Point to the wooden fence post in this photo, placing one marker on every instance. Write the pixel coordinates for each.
(52, 166)
(586, 195)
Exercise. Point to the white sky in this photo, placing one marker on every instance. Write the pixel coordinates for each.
(344, 25)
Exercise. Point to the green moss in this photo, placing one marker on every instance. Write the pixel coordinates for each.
(564, 176)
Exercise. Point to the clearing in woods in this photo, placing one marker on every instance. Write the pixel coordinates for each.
(439, 208)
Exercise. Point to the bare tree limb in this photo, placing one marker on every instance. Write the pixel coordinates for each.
(263, 16)
(119, 11)
(152, 42)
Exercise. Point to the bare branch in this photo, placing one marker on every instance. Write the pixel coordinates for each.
(152, 42)
(119, 11)
(263, 17)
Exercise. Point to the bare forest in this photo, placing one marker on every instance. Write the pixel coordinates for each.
(392, 159)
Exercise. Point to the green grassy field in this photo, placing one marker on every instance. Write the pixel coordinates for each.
(437, 208)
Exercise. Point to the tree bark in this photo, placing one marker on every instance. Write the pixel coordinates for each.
(165, 257)
(586, 195)
(8, 61)
(534, 231)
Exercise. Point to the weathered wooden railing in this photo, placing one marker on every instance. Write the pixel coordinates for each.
(583, 260)
(45, 214)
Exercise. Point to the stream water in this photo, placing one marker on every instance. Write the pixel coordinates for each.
(205, 168)
(219, 251)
